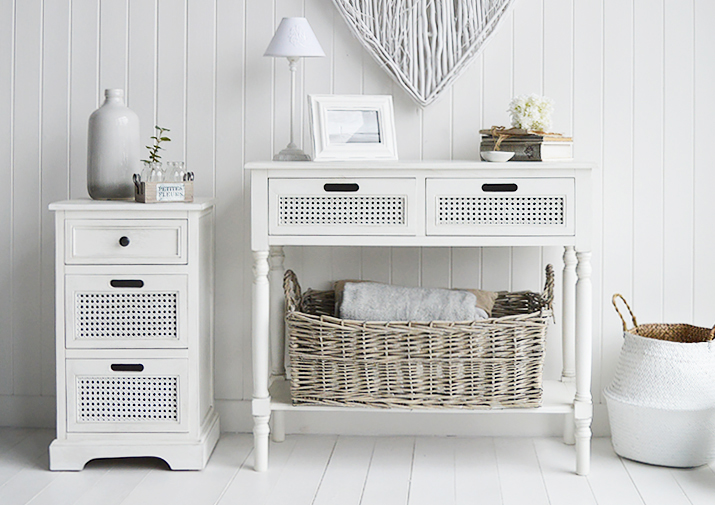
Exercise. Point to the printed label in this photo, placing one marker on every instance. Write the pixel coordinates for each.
(170, 192)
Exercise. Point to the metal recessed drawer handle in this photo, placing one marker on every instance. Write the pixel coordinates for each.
(124, 367)
(500, 188)
(124, 241)
(343, 187)
(126, 283)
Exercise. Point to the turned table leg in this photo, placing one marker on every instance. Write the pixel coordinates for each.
(583, 408)
(261, 404)
(568, 326)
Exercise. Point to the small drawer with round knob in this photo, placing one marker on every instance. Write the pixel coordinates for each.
(125, 242)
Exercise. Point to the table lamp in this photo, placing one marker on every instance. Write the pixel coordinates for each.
(293, 39)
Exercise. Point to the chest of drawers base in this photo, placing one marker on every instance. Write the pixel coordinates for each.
(134, 333)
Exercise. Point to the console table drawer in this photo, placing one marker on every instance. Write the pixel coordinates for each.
(126, 241)
(126, 311)
(500, 207)
(127, 395)
(361, 206)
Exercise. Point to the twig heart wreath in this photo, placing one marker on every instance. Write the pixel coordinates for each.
(423, 44)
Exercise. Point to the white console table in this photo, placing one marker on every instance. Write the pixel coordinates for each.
(431, 203)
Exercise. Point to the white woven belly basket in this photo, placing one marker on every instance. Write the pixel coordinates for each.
(661, 403)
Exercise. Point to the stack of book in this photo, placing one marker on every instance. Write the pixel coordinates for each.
(527, 145)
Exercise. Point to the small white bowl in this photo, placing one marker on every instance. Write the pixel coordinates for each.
(498, 156)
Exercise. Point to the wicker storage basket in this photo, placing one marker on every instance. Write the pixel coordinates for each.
(488, 363)
(661, 403)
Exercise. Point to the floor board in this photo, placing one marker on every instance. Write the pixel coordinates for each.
(327, 470)
(388, 480)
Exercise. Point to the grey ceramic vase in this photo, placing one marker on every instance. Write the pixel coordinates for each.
(112, 149)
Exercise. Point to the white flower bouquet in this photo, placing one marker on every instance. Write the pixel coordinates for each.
(531, 112)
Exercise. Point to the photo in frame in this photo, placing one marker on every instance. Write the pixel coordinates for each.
(352, 127)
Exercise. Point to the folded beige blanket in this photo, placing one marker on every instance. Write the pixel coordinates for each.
(371, 301)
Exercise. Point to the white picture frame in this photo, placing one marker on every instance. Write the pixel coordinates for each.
(352, 127)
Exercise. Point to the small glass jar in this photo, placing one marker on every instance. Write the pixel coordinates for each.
(175, 171)
(152, 172)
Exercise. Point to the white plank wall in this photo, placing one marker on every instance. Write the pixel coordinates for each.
(632, 81)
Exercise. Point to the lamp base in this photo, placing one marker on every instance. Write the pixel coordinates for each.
(291, 153)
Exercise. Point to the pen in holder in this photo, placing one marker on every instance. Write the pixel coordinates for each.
(156, 192)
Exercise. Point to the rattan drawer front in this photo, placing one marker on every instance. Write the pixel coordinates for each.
(335, 207)
(126, 241)
(126, 395)
(126, 311)
(500, 207)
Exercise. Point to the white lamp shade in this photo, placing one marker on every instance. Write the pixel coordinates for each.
(294, 38)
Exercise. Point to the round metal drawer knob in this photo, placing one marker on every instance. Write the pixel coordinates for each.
(124, 241)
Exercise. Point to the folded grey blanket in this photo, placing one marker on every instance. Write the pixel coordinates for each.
(371, 301)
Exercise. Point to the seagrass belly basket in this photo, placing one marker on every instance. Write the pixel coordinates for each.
(483, 364)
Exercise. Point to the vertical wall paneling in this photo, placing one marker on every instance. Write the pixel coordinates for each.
(200, 93)
(84, 87)
(113, 33)
(528, 50)
(55, 164)
(617, 166)
(467, 113)
(437, 128)
(7, 80)
(588, 111)
(703, 176)
(26, 211)
(375, 264)
(558, 61)
(406, 266)
(317, 73)
(408, 123)
(171, 77)
(648, 144)
(466, 268)
(678, 161)
(632, 82)
(142, 67)
(233, 280)
(436, 265)
(347, 59)
(496, 268)
(498, 59)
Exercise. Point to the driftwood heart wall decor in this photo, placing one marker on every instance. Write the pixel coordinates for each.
(423, 44)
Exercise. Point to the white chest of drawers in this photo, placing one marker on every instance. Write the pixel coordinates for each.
(134, 332)
(423, 204)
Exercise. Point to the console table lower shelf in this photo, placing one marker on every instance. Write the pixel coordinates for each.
(557, 399)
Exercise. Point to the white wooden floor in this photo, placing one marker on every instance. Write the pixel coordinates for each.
(326, 470)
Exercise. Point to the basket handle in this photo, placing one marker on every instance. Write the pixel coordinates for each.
(291, 287)
(548, 294)
(635, 323)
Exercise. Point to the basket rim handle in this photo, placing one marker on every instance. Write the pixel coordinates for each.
(291, 288)
(615, 297)
(548, 294)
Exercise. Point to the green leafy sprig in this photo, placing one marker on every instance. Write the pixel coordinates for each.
(158, 139)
